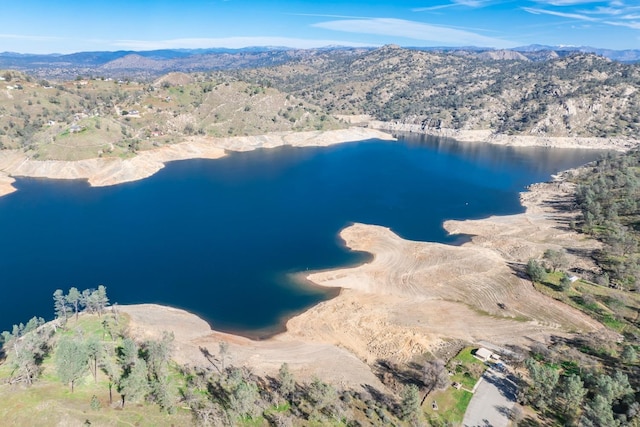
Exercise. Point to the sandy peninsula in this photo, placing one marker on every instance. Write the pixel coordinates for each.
(412, 298)
(110, 171)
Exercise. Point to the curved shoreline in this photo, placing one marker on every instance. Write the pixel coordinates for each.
(111, 171)
(411, 298)
(491, 137)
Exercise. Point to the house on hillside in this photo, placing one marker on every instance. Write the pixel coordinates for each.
(483, 354)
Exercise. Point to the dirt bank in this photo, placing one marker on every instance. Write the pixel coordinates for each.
(412, 298)
(110, 171)
(489, 136)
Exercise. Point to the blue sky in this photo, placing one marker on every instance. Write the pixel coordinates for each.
(62, 26)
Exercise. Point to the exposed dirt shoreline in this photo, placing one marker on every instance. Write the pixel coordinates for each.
(411, 298)
(489, 136)
(110, 171)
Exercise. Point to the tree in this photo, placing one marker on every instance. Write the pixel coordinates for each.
(164, 394)
(409, 403)
(86, 300)
(27, 348)
(60, 306)
(127, 353)
(556, 259)
(573, 391)
(544, 379)
(73, 298)
(157, 354)
(133, 385)
(95, 350)
(287, 382)
(435, 376)
(110, 368)
(613, 389)
(536, 271)
(629, 354)
(565, 282)
(323, 397)
(99, 299)
(71, 361)
(598, 413)
(242, 393)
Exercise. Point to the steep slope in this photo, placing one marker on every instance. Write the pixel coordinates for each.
(581, 95)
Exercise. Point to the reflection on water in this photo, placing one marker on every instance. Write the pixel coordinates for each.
(219, 237)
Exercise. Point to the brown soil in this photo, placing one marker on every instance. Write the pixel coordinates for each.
(109, 171)
(412, 298)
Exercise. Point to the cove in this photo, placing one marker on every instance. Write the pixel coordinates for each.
(221, 238)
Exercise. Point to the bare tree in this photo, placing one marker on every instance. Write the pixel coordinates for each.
(434, 376)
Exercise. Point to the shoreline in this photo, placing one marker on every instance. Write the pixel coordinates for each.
(105, 171)
(101, 172)
(490, 137)
(409, 299)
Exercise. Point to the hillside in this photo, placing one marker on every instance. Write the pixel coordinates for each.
(107, 117)
(499, 92)
(580, 95)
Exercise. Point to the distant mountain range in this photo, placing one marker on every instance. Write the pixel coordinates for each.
(628, 55)
(156, 62)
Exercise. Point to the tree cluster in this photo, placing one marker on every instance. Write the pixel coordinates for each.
(435, 90)
(26, 347)
(607, 195)
(91, 300)
(589, 397)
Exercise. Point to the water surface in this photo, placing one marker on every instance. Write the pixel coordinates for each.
(220, 237)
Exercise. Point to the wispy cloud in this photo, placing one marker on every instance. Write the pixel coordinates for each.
(633, 25)
(568, 2)
(471, 3)
(322, 15)
(617, 12)
(415, 31)
(454, 3)
(230, 42)
(433, 8)
(536, 11)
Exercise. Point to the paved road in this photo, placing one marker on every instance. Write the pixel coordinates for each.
(492, 401)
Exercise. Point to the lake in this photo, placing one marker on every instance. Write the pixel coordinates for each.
(220, 238)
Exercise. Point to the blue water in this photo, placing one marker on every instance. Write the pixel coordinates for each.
(221, 237)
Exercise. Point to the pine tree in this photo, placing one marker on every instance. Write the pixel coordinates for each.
(134, 386)
(410, 403)
(100, 299)
(73, 298)
(573, 391)
(71, 361)
(60, 306)
(287, 382)
(95, 349)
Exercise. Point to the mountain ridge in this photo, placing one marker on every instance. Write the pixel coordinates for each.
(69, 66)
